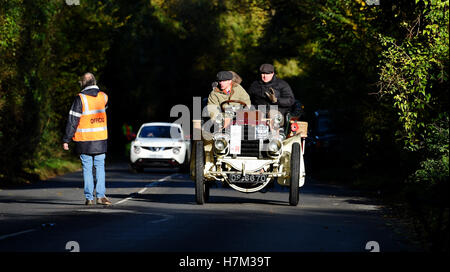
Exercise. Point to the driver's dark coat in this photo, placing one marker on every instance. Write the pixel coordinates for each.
(216, 97)
(283, 92)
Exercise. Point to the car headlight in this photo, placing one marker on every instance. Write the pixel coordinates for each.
(176, 150)
(220, 144)
(274, 146)
(136, 149)
(278, 119)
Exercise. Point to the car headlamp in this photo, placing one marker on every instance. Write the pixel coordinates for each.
(176, 150)
(274, 146)
(137, 149)
(220, 144)
(278, 119)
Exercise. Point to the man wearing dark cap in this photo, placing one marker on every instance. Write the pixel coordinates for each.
(226, 89)
(270, 90)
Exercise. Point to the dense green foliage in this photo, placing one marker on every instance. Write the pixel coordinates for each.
(414, 80)
(383, 67)
(414, 71)
(44, 46)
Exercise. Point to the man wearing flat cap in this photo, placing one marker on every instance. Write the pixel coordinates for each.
(269, 90)
(226, 89)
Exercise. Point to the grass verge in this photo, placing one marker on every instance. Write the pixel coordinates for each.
(54, 167)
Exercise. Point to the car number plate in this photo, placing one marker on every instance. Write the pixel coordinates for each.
(238, 178)
(262, 132)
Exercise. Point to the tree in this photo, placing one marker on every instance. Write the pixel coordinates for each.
(414, 77)
(414, 71)
(44, 47)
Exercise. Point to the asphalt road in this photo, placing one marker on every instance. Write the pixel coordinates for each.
(156, 211)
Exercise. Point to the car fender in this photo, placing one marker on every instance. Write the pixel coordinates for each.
(209, 158)
(285, 161)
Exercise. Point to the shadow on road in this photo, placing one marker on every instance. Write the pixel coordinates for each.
(36, 201)
(189, 199)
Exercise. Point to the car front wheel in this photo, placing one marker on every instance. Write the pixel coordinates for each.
(201, 187)
(295, 174)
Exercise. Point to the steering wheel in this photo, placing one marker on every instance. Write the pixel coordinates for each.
(232, 101)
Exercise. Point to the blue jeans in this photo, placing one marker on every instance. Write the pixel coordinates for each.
(98, 161)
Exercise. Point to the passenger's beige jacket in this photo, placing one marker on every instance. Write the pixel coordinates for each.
(216, 97)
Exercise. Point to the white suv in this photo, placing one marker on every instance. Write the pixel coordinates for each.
(159, 144)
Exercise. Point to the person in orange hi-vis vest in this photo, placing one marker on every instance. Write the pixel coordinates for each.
(87, 127)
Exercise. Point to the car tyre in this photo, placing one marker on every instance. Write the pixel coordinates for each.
(201, 187)
(295, 174)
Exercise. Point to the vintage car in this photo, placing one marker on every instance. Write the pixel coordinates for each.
(247, 150)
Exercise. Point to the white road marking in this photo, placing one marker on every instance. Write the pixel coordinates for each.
(165, 217)
(16, 234)
(105, 211)
(123, 200)
(152, 184)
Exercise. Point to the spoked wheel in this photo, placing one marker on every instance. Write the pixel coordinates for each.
(201, 187)
(295, 174)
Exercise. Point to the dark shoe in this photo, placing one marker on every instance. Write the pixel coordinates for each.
(89, 202)
(103, 201)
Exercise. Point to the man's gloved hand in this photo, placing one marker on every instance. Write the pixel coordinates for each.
(271, 95)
